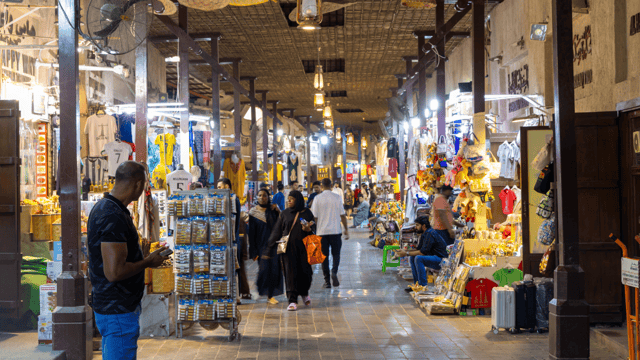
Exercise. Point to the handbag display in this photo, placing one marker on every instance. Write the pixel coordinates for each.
(313, 243)
(442, 146)
(545, 207)
(543, 184)
(547, 230)
(284, 241)
(474, 153)
(480, 185)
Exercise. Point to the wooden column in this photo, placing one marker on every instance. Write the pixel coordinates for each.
(360, 158)
(402, 164)
(183, 87)
(72, 318)
(254, 131)
(265, 133)
(309, 186)
(568, 311)
(344, 158)
(409, 101)
(478, 91)
(274, 160)
(237, 116)
(215, 111)
(440, 71)
(422, 85)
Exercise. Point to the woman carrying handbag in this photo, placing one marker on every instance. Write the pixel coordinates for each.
(287, 235)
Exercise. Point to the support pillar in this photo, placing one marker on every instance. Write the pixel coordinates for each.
(568, 311)
(478, 91)
(309, 185)
(422, 85)
(344, 158)
(440, 70)
(265, 133)
(360, 159)
(275, 147)
(401, 159)
(254, 131)
(183, 87)
(409, 100)
(237, 117)
(72, 318)
(142, 66)
(215, 111)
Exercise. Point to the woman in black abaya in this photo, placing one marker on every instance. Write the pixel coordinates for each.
(262, 219)
(297, 271)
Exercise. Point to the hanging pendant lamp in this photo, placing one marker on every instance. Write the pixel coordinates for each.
(318, 101)
(338, 135)
(309, 14)
(364, 142)
(350, 139)
(318, 80)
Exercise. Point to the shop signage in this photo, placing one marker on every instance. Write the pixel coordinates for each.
(636, 142)
(518, 82)
(630, 272)
(582, 49)
(635, 25)
(42, 186)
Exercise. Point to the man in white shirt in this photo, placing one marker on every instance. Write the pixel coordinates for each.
(338, 191)
(328, 210)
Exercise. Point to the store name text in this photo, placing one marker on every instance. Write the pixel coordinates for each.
(518, 82)
(582, 79)
(582, 45)
(635, 25)
(25, 29)
(21, 67)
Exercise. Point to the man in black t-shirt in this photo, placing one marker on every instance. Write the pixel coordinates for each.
(116, 264)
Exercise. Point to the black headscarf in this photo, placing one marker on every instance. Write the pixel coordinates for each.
(299, 200)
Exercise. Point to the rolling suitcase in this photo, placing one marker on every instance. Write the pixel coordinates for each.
(503, 309)
(544, 295)
(525, 292)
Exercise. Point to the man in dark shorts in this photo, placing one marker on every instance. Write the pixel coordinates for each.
(116, 264)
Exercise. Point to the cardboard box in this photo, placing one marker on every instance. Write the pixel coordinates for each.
(48, 298)
(45, 329)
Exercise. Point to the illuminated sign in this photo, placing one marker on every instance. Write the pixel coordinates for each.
(42, 178)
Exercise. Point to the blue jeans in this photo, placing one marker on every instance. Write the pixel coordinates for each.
(419, 265)
(120, 334)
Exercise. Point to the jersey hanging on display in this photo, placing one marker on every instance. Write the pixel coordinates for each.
(507, 276)
(480, 290)
(237, 174)
(179, 180)
(101, 130)
(292, 164)
(166, 142)
(117, 153)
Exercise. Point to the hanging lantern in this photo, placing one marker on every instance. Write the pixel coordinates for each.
(318, 101)
(329, 131)
(338, 135)
(309, 14)
(328, 123)
(350, 139)
(327, 112)
(364, 142)
(318, 80)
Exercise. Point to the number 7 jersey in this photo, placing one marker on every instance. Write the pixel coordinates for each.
(179, 180)
(117, 152)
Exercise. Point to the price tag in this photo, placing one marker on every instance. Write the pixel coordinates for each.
(630, 272)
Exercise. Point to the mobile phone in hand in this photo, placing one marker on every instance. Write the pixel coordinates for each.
(166, 252)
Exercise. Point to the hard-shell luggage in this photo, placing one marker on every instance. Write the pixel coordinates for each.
(503, 309)
(544, 295)
(525, 305)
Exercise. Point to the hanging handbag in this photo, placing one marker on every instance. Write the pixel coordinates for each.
(545, 206)
(480, 185)
(547, 230)
(441, 150)
(543, 184)
(313, 244)
(474, 153)
(284, 241)
(494, 167)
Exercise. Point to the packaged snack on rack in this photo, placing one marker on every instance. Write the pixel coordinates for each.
(206, 310)
(217, 230)
(182, 259)
(199, 226)
(220, 286)
(186, 310)
(226, 309)
(201, 258)
(201, 284)
(183, 284)
(218, 260)
(197, 205)
(183, 232)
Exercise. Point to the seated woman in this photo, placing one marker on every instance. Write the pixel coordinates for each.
(362, 211)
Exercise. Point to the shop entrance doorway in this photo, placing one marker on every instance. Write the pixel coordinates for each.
(630, 164)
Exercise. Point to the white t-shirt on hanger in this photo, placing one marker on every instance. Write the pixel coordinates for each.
(179, 180)
(101, 130)
(117, 153)
(504, 154)
(514, 159)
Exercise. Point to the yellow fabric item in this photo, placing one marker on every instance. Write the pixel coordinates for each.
(160, 173)
(166, 143)
(396, 186)
(248, 2)
(237, 177)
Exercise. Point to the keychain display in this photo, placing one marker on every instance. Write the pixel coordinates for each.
(220, 286)
(218, 260)
(200, 258)
(201, 285)
(197, 205)
(182, 259)
(186, 310)
(177, 206)
(183, 232)
(215, 204)
(226, 309)
(183, 284)
(199, 230)
(218, 230)
(206, 310)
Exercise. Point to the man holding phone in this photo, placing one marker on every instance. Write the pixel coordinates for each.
(116, 263)
(328, 210)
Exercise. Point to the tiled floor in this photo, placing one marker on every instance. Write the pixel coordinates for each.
(368, 317)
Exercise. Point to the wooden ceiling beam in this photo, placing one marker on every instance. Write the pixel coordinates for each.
(194, 93)
(223, 61)
(172, 38)
(432, 33)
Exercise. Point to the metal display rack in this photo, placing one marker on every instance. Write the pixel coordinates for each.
(230, 323)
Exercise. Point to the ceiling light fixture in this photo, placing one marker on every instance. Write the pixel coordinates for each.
(338, 135)
(318, 80)
(309, 14)
(364, 142)
(318, 101)
(434, 105)
(350, 139)
(324, 140)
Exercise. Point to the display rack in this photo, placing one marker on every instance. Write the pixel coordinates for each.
(204, 292)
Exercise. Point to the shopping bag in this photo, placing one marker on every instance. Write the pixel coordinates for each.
(547, 230)
(313, 243)
(442, 146)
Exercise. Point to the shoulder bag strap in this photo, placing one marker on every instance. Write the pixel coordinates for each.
(293, 224)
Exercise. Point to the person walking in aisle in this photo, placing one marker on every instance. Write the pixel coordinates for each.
(245, 291)
(262, 219)
(278, 198)
(317, 189)
(442, 216)
(328, 210)
(297, 271)
(338, 190)
(429, 253)
(348, 202)
(116, 264)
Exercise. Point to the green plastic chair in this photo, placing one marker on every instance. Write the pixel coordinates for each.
(385, 257)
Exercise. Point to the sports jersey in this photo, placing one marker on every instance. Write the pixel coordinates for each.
(117, 153)
(179, 180)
